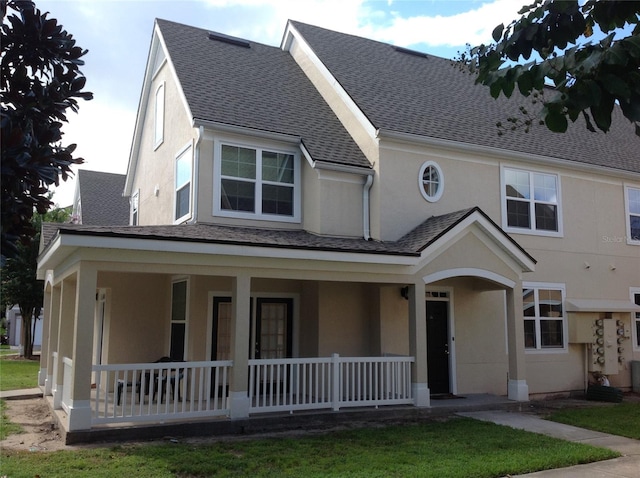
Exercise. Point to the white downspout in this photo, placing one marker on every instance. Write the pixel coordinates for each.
(196, 176)
(366, 216)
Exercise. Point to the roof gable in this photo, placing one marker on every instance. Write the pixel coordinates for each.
(258, 87)
(102, 202)
(428, 96)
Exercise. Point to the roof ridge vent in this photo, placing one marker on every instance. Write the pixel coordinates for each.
(229, 39)
(410, 52)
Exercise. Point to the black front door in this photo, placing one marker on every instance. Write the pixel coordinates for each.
(438, 346)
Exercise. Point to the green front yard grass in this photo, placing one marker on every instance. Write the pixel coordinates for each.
(18, 374)
(621, 419)
(458, 447)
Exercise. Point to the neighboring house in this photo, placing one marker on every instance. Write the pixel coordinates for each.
(336, 223)
(98, 199)
(14, 328)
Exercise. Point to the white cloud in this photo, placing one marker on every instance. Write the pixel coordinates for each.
(474, 26)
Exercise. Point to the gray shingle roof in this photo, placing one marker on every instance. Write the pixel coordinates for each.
(411, 244)
(430, 97)
(101, 198)
(260, 87)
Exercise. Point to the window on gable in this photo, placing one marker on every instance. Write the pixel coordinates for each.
(544, 321)
(633, 215)
(531, 202)
(158, 128)
(183, 184)
(135, 203)
(260, 183)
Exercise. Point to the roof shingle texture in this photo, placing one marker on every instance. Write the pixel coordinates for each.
(101, 198)
(260, 87)
(431, 97)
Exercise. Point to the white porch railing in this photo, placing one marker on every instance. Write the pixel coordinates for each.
(331, 382)
(54, 373)
(159, 391)
(67, 374)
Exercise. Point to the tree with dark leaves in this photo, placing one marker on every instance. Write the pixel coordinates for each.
(552, 45)
(19, 284)
(41, 80)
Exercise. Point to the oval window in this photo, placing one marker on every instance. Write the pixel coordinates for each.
(431, 181)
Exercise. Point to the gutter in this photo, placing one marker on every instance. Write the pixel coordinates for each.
(196, 175)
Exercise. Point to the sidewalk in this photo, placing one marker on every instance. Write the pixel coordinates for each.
(627, 466)
(21, 394)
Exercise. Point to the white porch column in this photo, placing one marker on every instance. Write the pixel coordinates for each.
(517, 388)
(240, 336)
(52, 324)
(65, 335)
(44, 348)
(82, 351)
(418, 345)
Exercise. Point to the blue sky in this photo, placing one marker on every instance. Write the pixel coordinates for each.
(117, 34)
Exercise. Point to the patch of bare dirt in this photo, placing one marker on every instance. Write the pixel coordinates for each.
(40, 432)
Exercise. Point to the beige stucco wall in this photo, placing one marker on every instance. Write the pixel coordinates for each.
(156, 166)
(137, 327)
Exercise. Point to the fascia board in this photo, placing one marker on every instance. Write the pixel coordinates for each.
(290, 34)
(217, 127)
(186, 247)
(503, 153)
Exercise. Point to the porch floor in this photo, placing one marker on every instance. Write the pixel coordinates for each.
(278, 423)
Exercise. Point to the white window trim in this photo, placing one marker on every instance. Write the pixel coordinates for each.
(565, 323)
(257, 145)
(627, 215)
(158, 116)
(135, 199)
(503, 204)
(186, 216)
(438, 194)
(186, 315)
(634, 334)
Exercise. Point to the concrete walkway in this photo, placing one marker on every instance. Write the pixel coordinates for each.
(627, 466)
(21, 394)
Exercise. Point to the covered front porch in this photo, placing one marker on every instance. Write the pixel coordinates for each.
(164, 332)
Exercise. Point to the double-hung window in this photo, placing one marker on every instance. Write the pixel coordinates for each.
(257, 183)
(635, 318)
(183, 184)
(179, 312)
(544, 321)
(531, 202)
(633, 215)
(135, 205)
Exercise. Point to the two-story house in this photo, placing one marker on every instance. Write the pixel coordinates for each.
(336, 223)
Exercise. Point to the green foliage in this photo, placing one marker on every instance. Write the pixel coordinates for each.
(455, 448)
(588, 78)
(18, 374)
(40, 81)
(622, 419)
(18, 282)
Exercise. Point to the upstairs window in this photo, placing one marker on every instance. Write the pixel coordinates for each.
(135, 204)
(544, 321)
(183, 184)
(431, 181)
(635, 326)
(158, 117)
(257, 183)
(633, 215)
(531, 202)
